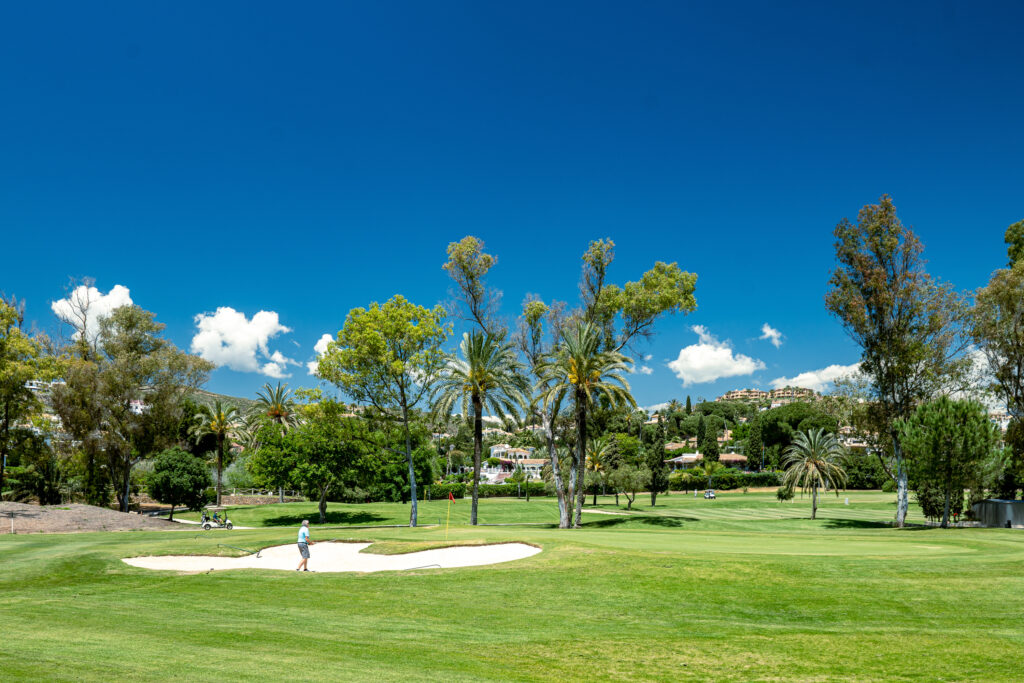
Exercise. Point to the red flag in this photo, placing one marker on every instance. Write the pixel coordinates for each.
(451, 496)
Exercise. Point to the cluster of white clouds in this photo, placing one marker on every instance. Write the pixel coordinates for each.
(230, 339)
(711, 359)
(85, 306)
(819, 380)
(320, 348)
(771, 334)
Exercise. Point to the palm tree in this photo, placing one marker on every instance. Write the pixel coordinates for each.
(487, 376)
(276, 404)
(221, 422)
(812, 461)
(709, 468)
(598, 453)
(581, 370)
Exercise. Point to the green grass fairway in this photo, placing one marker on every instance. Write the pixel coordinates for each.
(742, 588)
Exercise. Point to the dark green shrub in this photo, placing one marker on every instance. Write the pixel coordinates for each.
(784, 493)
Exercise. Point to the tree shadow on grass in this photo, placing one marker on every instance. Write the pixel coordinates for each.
(855, 524)
(333, 517)
(667, 521)
(605, 523)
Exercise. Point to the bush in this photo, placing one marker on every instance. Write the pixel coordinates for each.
(784, 493)
(889, 486)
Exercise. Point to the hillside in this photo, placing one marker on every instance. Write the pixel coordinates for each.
(208, 397)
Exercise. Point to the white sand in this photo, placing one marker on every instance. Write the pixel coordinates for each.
(342, 557)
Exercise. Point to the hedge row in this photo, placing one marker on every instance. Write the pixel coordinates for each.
(460, 490)
(723, 480)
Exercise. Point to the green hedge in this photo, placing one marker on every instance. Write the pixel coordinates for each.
(727, 480)
(436, 491)
(512, 490)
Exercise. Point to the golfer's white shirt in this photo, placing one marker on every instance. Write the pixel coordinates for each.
(303, 535)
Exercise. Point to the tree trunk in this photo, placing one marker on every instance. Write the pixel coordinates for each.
(220, 463)
(616, 498)
(478, 445)
(323, 504)
(814, 501)
(280, 494)
(171, 518)
(902, 489)
(595, 496)
(629, 501)
(945, 510)
(654, 496)
(556, 470)
(412, 472)
(581, 454)
(3, 445)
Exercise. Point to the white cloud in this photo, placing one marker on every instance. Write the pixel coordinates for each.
(229, 339)
(320, 348)
(711, 359)
(818, 380)
(771, 334)
(93, 303)
(645, 370)
(648, 357)
(657, 407)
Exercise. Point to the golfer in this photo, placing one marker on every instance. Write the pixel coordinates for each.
(304, 544)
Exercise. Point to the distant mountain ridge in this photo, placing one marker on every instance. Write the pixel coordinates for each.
(208, 398)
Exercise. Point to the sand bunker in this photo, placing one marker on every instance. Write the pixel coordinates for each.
(342, 557)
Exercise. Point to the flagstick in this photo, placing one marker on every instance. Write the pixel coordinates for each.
(448, 517)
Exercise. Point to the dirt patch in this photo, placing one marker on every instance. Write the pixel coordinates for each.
(34, 519)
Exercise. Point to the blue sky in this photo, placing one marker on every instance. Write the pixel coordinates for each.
(303, 160)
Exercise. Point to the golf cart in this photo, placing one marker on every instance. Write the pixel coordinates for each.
(709, 494)
(217, 521)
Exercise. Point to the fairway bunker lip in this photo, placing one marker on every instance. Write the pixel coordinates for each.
(331, 556)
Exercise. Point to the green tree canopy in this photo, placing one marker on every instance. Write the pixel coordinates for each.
(178, 479)
(388, 357)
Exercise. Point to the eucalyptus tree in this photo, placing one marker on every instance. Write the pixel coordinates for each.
(906, 323)
(580, 371)
(813, 461)
(486, 376)
(124, 392)
(387, 357)
(223, 423)
(997, 327)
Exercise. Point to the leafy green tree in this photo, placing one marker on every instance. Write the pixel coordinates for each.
(997, 327)
(754, 447)
(320, 456)
(123, 392)
(22, 358)
(689, 406)
(630, 480)
(178, 479)
(221, 422)
(709, 468)
(388, 357)
(487, 376)
(905, 322)
(536, 348)
(946, 442)
(813, 461)
(468, 265)
(709, 448)
(599, 455)
(656, 465)
(1015, 243)
(580, 370)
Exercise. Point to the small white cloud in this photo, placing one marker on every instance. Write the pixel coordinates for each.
(93, 303)
(711, 359)
(228, 338)
(771, 334)
(648, 357)
(645, 370)
(320, 348)
(818, 380)
(657, 407)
